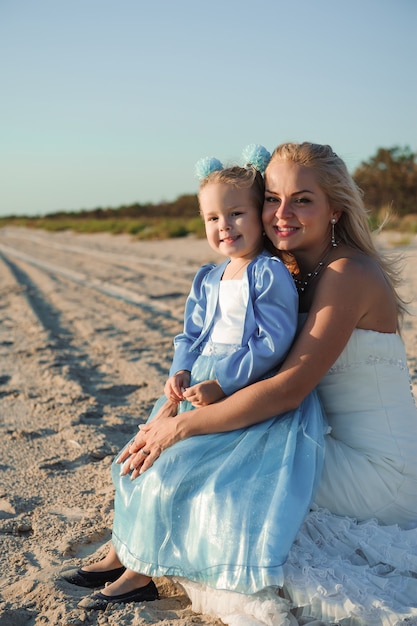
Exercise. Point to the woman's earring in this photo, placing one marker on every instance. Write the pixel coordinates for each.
(334, 242)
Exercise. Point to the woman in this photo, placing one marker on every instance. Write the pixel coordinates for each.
(356, 553)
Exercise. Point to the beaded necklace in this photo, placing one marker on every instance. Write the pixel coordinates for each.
(301, 284)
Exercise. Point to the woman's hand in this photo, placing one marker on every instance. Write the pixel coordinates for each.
(160, 433)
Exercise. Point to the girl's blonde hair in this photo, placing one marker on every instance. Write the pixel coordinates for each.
(345, 196)
(241, 178)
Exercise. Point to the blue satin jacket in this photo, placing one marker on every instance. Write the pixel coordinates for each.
(269, 327)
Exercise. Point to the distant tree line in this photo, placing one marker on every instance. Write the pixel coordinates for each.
(389, 181)
(184, 206)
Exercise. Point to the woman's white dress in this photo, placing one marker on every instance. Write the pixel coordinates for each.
(354, 560)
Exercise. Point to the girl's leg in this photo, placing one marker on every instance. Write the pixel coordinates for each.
(110, 561)
(128, 581)
(110, 571)
(97, 574)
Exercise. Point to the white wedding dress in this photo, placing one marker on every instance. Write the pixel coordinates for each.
(354, 560)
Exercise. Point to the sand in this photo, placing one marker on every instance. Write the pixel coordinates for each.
(86, 328)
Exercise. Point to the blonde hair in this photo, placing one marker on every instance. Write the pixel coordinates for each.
(241, 178)
(343, 195)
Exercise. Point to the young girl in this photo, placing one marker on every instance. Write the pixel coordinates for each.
(182, 516)
(231, 337)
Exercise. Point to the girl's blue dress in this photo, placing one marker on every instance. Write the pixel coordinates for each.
(224, 509)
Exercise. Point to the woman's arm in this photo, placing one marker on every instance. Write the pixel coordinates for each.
(345, 295)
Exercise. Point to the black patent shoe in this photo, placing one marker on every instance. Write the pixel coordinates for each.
(81, 578)
(99, 602)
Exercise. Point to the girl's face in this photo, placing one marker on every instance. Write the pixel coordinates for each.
(296, 213)
(232, 220)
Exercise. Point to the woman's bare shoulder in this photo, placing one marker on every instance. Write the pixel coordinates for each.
(354, 271)
(355, 281)
(351, 260)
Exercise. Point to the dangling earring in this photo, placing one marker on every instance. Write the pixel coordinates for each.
(333, 221)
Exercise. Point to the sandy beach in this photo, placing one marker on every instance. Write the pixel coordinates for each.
(86, 329)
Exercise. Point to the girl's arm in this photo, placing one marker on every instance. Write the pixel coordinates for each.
(194, 316)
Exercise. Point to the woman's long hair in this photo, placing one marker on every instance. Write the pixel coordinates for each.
(345, 196)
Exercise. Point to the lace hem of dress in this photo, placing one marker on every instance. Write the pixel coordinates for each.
(264, 608)
(339, 568)
(338, 571)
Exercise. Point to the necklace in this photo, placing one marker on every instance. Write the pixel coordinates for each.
(302, 283)
(238, 270)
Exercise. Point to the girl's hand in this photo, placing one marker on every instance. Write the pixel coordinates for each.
(204, 393)
(175, 385)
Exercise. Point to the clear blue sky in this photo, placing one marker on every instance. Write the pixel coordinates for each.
(109, 102)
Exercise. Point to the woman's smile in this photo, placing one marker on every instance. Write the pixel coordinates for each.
(285, 231)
